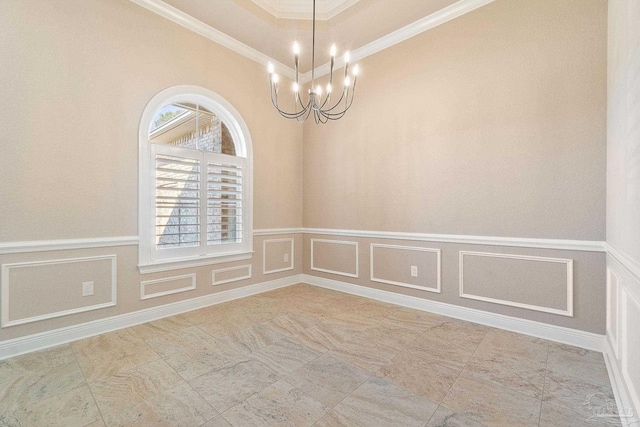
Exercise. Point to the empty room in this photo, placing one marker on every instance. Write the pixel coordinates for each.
(359, 213)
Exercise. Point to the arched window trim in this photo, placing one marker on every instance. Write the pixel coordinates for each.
(146, 178)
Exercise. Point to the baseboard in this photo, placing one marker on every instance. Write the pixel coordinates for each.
(21, 345)
(587, 340)
(623, 401)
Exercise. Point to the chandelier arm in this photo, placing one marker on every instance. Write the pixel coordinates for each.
(326, 119)
(300, 101)
(338, 115)
(286, 114)
(305, 119)
(327, 99)
(337, 103)
(289, 115)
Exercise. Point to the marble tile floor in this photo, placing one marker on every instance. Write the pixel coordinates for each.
(305, 356)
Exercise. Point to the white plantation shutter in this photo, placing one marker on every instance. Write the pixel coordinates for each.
(178, 185)
(195, 181)
(193, 189)
(224, 200)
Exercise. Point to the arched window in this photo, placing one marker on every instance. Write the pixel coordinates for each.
(195, 181)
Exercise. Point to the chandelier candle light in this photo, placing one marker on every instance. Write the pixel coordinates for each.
(323, 109)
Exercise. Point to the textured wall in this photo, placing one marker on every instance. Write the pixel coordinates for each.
(491, 124)
(76, 76)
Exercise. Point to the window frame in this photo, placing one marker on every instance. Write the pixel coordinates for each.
(147, 262)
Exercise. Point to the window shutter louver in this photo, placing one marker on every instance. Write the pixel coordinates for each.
(177, 201)
(224, 202)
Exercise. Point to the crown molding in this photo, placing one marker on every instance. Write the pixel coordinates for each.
(293, 9)
(179, 17)
(446, 14)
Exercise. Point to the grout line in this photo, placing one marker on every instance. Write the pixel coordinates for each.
(87, 384)
(544, 383)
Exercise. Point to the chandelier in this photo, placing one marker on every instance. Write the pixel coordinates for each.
(323, 108)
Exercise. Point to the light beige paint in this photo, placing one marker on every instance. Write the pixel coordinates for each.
(276, 249)
(245, 21)
(481, 126)
(492, 124)
(40, 289)
(623, 147)
(589, 279)
(231, 274)
(128, 284)
(338, 256)
(542, 283)
(76, 76)
(394, 265)
(174, 283)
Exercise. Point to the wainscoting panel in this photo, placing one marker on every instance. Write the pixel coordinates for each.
(530, 282)
(393, 265)
(631, 345)
(623, 339)
(167, 286)
(230, 274)
(277, 255)
(613, 311)
(39, 290)
(335, 256)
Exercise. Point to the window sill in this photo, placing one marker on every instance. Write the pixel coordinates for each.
(198, 261)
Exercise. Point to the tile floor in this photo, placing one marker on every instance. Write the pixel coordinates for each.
(304, 356)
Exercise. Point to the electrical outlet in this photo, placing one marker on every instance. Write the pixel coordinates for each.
(87, 289)
(286, 258)
(414, 271)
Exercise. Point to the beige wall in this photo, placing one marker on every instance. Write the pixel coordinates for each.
(491, 124)
(76, 76)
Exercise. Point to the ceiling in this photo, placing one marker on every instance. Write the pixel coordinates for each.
(271, 26)
(300, 9)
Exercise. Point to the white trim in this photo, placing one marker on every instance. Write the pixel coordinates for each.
(233, 279)
(264, 255)
(143, 285)
(569, 291)
(179, 17)
(5, 295)
(438, 253)
(615, 345)
(156, 267)
(277, 231)
(625, 260)
(524, 242)
(65, 244)
(560, 334)
(575, 245)
(39, 341)
(629, 355)
(337, 242)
